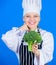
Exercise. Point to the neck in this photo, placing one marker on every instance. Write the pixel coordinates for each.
(32, 29)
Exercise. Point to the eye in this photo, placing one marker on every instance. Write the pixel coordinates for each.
(35, 16)
(27, 16)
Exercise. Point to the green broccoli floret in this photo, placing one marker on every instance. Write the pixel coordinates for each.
(32, 37)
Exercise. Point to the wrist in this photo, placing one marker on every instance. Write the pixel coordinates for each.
(38, 53)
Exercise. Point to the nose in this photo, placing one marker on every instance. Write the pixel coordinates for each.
(31, 18)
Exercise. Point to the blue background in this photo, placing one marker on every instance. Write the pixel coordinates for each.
(11, 16)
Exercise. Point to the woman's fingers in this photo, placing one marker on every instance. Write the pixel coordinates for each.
(23, 27)
(34, 48)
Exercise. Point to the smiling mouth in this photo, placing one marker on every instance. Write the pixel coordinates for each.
(32, 23)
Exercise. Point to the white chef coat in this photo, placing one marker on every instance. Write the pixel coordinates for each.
(14, 37)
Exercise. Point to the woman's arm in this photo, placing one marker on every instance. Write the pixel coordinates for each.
(45, 54)
(13, 37)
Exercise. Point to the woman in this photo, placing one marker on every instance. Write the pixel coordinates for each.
(14, 38)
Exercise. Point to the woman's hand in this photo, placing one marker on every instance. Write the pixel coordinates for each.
(35, 49)
(24, 27)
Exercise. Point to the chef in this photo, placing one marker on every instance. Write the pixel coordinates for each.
(14, 37)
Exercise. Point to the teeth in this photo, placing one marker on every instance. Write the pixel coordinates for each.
(32, 23)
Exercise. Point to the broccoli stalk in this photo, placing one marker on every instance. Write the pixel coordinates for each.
(30, 45)
(32, 37)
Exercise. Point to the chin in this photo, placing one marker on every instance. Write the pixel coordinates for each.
(32, 26)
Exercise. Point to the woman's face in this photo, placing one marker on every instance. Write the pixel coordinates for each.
(32, 19)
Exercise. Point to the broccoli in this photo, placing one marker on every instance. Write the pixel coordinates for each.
(32, 37)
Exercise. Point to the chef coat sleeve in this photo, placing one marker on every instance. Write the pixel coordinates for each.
(46, 53)
(12, 38)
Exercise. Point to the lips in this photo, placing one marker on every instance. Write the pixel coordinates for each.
(32, 23)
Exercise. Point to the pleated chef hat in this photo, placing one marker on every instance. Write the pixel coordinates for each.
(31, 6)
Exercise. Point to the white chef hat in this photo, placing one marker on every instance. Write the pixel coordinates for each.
(31, 6)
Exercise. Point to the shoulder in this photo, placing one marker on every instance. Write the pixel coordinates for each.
(43, 32)
(46, 34)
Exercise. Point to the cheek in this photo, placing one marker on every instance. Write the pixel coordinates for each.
(26, 22)
(37, 21)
